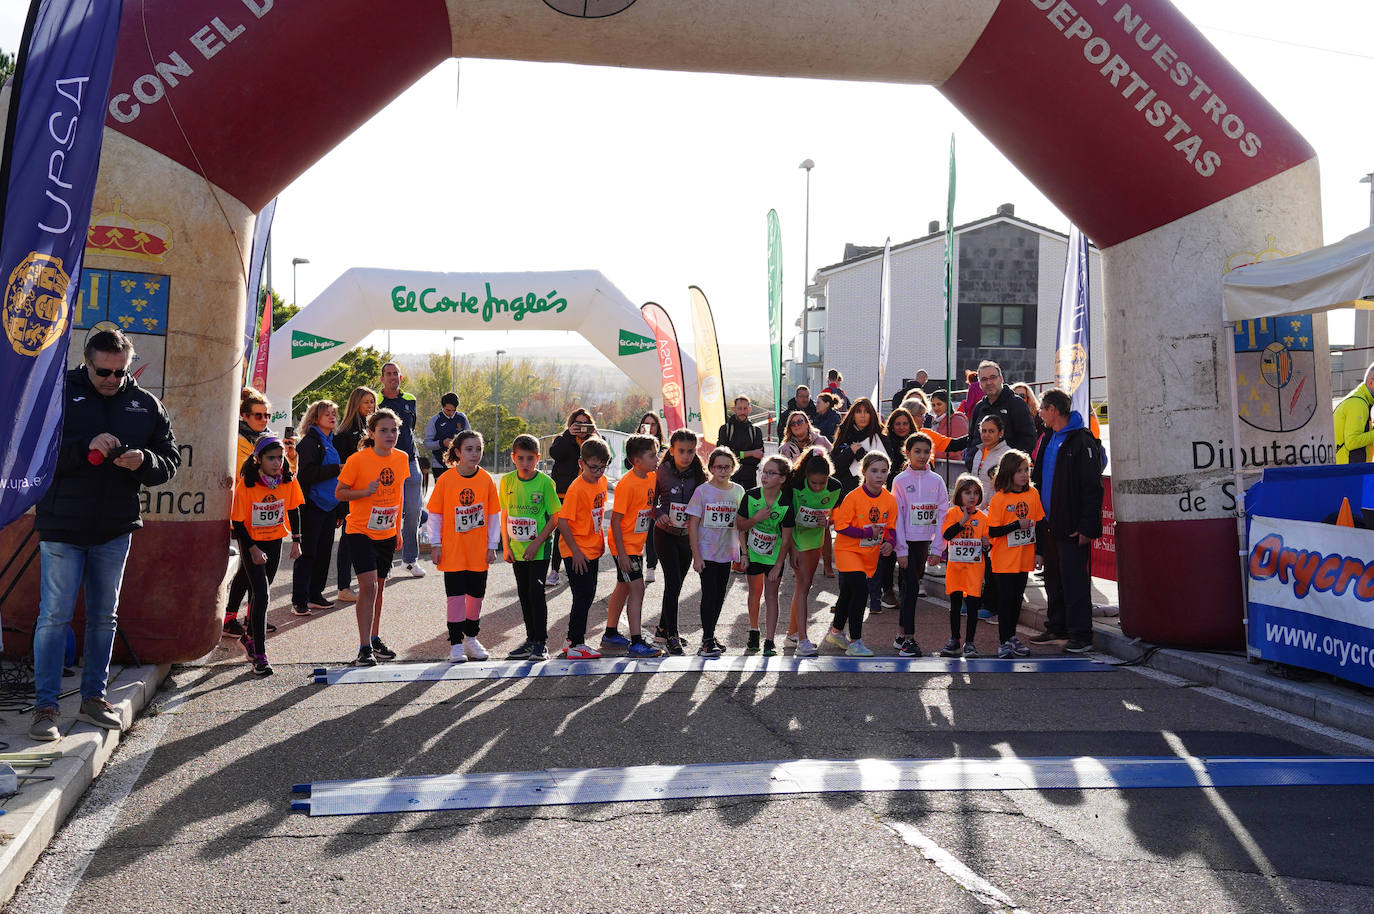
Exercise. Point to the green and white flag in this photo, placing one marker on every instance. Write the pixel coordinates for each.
(775, 307)
(949, 271)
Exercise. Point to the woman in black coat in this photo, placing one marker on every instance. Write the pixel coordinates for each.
(565, 451)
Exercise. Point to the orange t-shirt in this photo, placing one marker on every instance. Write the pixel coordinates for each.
(940, 441)
(1015, 551)
(464, 503)
(964, 568)
(634, 499)
(263, 510)
(378, 515)
(859, 509)
(584, 507)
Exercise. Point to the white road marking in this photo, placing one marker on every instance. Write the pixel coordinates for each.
(985, 892)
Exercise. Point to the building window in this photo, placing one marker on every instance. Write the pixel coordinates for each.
(1001, 325)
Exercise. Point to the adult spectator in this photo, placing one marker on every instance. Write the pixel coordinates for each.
(441, 429)
(407, 410)
(999, 400)
(254, 414)
(833, 380)
(1023, 390)
(1067, 471)
(918, 385)
(565, 451)
(362, 402)
(116, 438)
(799, 436)
(860, 432)
(746, 440)
(317, 471)
(1351, 419)
(802, 402)
(827, 418)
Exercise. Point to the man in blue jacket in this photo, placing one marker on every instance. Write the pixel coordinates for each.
(116, 437)
(441, 429)
(1068, 474)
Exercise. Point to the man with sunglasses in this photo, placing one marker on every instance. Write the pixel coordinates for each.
(116, 437)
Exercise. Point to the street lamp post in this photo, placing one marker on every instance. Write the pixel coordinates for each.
(1362, 334)
(806, 164)
(295, 262)
(496, 403)
(453, 363)
(1369, 179)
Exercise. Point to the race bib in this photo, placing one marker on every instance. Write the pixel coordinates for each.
(764, 544)
(643, 520)
(718, 517)
(870, 541)
(596, 519)
(269, 513)
(812, 517)
(1020, 537)
(382, 518)
(677, 514)
(965, 551)
(522, 529)
(922, 515)
(469, 517)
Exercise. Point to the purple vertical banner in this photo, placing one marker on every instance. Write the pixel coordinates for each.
(52, 154)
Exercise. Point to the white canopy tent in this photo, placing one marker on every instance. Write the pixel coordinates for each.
(1339, 275)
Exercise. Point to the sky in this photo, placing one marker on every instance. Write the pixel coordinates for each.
(663, 180)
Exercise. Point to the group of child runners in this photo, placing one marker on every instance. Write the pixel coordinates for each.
(698, 518)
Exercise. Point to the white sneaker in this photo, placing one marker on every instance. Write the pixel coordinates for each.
(858, 649)
(650, 575)
(806, 649)
(791, 639)
(456, 654)
(474, 648)
(552, 579)
(414, 570)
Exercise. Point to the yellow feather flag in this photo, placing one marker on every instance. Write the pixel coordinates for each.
(710, 383)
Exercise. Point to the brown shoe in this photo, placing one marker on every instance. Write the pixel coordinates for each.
(98, 711)
(347, 596)
(44, 725)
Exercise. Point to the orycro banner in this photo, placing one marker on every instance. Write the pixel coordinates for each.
(1312, 596)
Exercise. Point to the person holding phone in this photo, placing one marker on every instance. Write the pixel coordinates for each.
(566, 451)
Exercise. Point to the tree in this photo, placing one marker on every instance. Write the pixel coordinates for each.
(359, 367)
(7, 62)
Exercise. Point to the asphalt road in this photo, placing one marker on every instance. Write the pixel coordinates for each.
(194, 814)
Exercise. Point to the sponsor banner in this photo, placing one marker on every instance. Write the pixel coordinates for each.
(1312, 596)
(1071, 346)
(303, 344)
(670, 365)
(949, 269)
(710, 380)
(260, 353)
(884, 319)
(632, 343)
(775, 309)
(262, 231)
(48, 175)
(1104, 547)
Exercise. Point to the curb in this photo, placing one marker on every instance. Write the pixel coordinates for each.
(33, 816)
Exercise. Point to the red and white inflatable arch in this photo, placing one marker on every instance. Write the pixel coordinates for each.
(1120, 111)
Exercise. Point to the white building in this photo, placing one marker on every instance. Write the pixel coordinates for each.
(1008, 278)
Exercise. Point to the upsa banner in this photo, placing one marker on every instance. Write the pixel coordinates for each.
(1312, 596)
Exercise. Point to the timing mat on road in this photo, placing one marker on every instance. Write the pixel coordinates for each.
(570, 786)
(607, 666)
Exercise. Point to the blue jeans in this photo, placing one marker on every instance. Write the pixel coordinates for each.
(67, 569)
(410, 516)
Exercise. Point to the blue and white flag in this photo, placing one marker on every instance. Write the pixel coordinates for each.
(1071, 346)
(52, 154)
(262, 230)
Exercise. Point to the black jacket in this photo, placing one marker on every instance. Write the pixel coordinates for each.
(564, 451)
(89, 504)
(1020, 425)
(310, 465)
(792, 407)
(740, 436)
(1075, 504)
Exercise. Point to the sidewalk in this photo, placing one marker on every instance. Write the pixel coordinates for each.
(33, 815)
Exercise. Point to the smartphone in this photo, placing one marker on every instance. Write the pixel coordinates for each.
(117, 451)
(290, 431)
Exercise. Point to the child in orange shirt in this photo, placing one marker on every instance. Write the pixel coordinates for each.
(464, 534)
(266, 507)
(1012, 516)
(965, 535)
(865, 527)
(632, 517)
(581, 540)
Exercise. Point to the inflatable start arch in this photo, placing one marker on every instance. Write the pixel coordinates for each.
(1119, 110)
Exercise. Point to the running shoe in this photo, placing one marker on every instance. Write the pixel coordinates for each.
(752, 646)
(889, 598)
(875, 608)
(552, 580)
(613, 638)
(970, 650)
(455, 653)
(246, 642)
(769, 648)
(522, 652)
(233, 628)
(364, 658)
(910, 648)
(650, 576)
(660, 636)
(1018, 648)
(806, 649)
(269, 627)
(1077, 647)
(538, 652)
(837, 639)
(790, 640)
(474, 649)
(299, 610)
(413, 569)
(717, 646)
(708, 651)
(581, 652)
(857, 648)
(951, 648)
(346, 595)
(260, 666)
(673, 645)
(986, 615)
(1006, 651)
(380, 650)
(319, 602)
(898, 641)
(1048, 637)
(640, 648)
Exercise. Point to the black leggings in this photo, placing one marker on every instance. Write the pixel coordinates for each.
(651, 550)
(258, 578)
(956, 602)
(311, 570)
(1010, 588)
(850, 605)
(345, 569)
(715, 581)
(583, 587)
(675, 552)
(916, 554)
(529, 587)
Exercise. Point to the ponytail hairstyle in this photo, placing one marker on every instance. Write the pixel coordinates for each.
(873, 457)
(695, 469)
(370, 439)
(451, 456)
(811, 462)
(1006, 468)
(780, 464)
